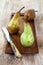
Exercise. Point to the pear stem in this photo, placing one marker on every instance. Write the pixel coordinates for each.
(21, 9)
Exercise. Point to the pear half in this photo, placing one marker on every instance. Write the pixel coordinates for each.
(27, 37)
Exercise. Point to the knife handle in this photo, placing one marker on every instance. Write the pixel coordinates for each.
(15, 50)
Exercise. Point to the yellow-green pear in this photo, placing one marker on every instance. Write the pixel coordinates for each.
(14, 25)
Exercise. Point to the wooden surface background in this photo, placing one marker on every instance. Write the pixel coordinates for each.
(6, 8)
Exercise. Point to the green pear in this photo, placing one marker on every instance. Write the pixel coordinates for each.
(27, 37)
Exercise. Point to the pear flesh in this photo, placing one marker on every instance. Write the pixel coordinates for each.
(27, 37)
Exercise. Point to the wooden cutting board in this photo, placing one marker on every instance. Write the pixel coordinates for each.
(16, 39)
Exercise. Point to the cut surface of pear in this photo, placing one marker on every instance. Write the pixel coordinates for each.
(27, 37)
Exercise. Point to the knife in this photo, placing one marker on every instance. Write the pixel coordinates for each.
(8, 37)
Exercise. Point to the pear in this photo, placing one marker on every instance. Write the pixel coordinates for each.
(27, 37)
(14, 25)
(29, 14)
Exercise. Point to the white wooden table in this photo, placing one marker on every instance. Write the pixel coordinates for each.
(6, 8)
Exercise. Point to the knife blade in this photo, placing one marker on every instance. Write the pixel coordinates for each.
(8, 37)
